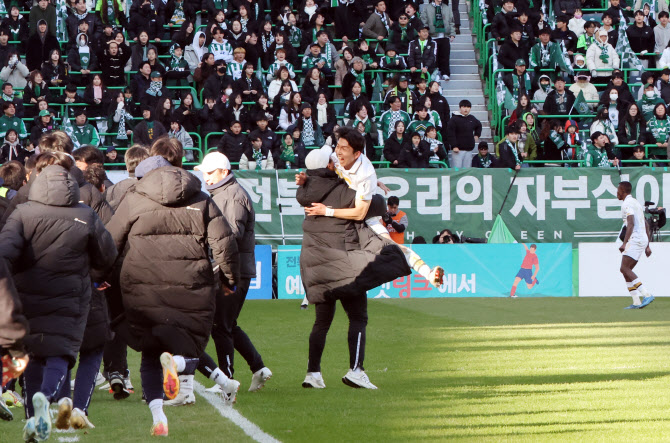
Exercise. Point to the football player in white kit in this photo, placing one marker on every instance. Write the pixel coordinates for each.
(357, 171)
(635, 242)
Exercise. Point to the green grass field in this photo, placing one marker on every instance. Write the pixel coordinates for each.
(534, 369)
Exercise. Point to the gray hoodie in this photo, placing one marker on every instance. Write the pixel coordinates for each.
(540, 94)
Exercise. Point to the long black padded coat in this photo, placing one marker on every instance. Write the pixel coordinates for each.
(51, 242)
(341, 258)
(165, 225)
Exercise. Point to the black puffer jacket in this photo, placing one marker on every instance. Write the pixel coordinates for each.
(238, 210)
(90, 196)
(341, 257)
(52, 241)
(166, 223)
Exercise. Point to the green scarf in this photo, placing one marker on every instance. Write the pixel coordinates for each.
(287, 153)
(359, 78)
(604, 57)
(403, 33)
(516, 83)
(439, 21)
(38, 91)
(258, 158)
(557, 139)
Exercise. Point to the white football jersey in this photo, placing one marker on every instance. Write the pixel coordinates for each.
(632, 207)
(362, 177)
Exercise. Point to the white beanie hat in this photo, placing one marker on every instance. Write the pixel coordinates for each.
(318, 158)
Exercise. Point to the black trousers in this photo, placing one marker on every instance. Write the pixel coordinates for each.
(356, 308)
(228, 336)
(443, 54)
(455, 11)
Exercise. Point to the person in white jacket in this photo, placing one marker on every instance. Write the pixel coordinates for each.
(583, 84)
(601, 55)
(14, 72)
(252, 156)
(664, 61)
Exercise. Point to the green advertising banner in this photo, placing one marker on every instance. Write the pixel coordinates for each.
(545, 204)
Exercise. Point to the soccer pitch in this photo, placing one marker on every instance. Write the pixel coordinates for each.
(530, 369)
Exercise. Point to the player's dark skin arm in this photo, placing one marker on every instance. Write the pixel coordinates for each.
(630, 225)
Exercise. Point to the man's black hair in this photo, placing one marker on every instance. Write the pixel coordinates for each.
(393, 201)
(353, 137)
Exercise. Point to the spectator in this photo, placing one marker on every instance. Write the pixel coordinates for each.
(316, 84)
(639, 155)
(148, 130)
(648, 102)
(395, 146)
(596, 154)
(661, 34)
(236, 111)
(276, 85)
(325, 116)
(402, 33)
(292, 151)
(395, 221)
(573, 141)
(269, 138)
(44, 126)
(310, 131)
(632, 127)
(40, 44)
(588, 37)
(389, 118)
(602, 123)
(659, 127)
(440, 20)
(559, 101)
(233, 143)
(378, 24)
(178, 132)
(601, 58)
(567, 7)
(483, 159)
(463, 131)
(43, 11)
(512, 50)
(564, 35)
(582, 84)
(502, 22)
(518, 82)
(14, 71)
(577, 22)
(552, 139)
(527, 145)
(256, 157)
(422, 56)
(249, 85)
(84, 132)
(421, 122)
(527, 32)
(351, 102)
(508, 156)
(418, 154)
(12, 149)
(641, 39)
(9, 120)
(407, 97)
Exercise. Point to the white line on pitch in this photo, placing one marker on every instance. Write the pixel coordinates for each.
(226, 411)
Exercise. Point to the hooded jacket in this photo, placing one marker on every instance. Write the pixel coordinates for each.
(39, 47)
(238, 210)
(594, 62)
(341, 258)
(233, 146)
(165, 225)
(51, 242)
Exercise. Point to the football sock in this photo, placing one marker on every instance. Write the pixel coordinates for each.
(632, 290)
(180, 362)
(417, 264)
(156, 407)
(513, 291)
(219, 377)
(637, 284)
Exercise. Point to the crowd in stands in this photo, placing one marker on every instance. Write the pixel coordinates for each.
(260, 82)
(584, 81)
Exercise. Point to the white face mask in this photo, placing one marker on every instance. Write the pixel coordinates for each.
(613, 97)
(229, 91)
(650, 94)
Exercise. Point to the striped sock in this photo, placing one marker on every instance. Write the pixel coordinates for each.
(637, 284)
(632, 290)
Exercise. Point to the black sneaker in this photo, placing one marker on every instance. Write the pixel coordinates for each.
(118, 386)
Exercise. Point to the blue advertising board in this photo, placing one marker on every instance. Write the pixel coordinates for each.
(260, 287)
(471, 270)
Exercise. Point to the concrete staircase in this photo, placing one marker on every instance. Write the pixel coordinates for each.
(465, 81)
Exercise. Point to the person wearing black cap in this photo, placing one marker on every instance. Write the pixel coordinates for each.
(402, 32)
(422, 55)
(563, 34)
(560, 100)
(512, 50)
(503, 20)
(407, 98)
(392, 61)
(148, 130)
(440, 19)
(483, 159)
(518, 82)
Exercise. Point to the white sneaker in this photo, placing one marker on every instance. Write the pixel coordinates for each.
(445, 78)
(64, 411)
(42, 418)
(186, 395)
(79, 420)
(259, 378)
(99, 381)
(229, 391)
(314, 380)
(357, 379)
(216, 389)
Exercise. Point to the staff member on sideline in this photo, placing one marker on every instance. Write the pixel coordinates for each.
(238, 210)
(395, 220)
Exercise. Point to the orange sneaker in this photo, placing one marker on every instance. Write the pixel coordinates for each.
(12, 367)
(436, 276)
(160, 429)
(170, 376)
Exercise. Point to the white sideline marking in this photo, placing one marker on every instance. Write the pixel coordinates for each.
(249, 428)
(72, 439)
(68, 439)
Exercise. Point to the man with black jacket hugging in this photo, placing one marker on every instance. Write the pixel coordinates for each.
(463, 131)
